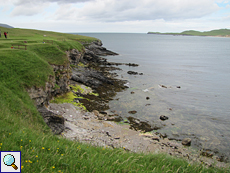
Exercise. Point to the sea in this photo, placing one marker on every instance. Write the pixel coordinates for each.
(187, 78)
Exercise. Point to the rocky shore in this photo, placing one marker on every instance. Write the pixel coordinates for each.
(98, 127)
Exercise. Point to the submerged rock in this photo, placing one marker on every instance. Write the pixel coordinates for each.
(132, 64)
(163, 117)
(136, 124)
(132, 73)
(163, 86)
(132, 112)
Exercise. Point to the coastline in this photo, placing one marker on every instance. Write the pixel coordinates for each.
(31, 78)
(212, 33)
(103, 131)
(178, 34)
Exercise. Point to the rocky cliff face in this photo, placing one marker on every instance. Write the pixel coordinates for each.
(59, 83)
(75, 56)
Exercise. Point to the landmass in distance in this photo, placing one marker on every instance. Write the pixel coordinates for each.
(216, 33)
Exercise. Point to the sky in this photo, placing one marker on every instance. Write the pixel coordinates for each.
(122, 16)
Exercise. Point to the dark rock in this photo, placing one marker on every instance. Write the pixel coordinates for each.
(132, 64)
(115, 118)
(221, 158)
(140, 73)
(178, 87)
(163, 135)
(132, 73)
(107, 133)
(163, 86)
(163, 117)
(147, 98)
(132, 92)
(157, 139)
(85, 118)
(207, 153)
(54, 121)
(103, 112)
(132, 112)
(99, 50)
(186, 141)
(90, 77)
(136, 124)
(147, 104)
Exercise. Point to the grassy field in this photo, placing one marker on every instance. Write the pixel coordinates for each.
(23, 129)
(220, 32)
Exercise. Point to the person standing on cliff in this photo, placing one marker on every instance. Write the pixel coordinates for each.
(5, 34)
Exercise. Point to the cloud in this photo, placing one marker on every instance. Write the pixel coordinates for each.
(116, 10)
(30, 7)
(126, 10)
(133, 10)
(23, 2)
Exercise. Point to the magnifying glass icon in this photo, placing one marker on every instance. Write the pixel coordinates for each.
(9, 160)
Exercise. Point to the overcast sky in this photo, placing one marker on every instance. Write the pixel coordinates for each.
(135, 16)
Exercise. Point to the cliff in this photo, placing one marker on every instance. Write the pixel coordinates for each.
(59, 82)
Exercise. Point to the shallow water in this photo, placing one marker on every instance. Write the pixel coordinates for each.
(199, 109)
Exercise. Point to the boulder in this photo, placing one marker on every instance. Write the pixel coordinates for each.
(136, 124)
(132, 73)
(54, 121)
(186, 141)
(132, 64)
(132, 112)
(163, 86)
(163, 117)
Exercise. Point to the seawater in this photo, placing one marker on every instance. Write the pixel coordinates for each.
(200, 108)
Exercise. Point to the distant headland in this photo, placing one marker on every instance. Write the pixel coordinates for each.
(214, 33)
(5, 25)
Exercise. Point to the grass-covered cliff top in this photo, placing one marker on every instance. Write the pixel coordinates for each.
(50, 46)
(42, 49)
(220, 32)
(22, 127)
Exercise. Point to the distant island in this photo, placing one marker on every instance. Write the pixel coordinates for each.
(214, 33)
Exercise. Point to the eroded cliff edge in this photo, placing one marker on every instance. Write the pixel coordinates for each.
(59, 83)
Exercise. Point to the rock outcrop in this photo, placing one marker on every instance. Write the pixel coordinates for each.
(97, 49)
(59, 82)
(53, 120)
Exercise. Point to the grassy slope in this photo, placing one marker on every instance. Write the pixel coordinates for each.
(220, 32)
(23, 129)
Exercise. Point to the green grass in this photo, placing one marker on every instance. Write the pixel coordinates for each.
(22, 128)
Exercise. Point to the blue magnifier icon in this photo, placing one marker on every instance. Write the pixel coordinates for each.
(9, 160)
